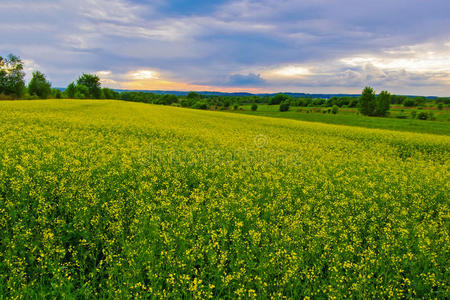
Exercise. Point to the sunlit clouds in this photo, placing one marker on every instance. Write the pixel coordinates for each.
(234, 45)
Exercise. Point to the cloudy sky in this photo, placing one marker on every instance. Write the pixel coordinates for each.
(315, 46)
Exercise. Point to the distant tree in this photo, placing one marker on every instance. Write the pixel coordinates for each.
(254, 107)
(440, 106)
(367, 101)
(167, 100)
(70, 91)
(201, 104)
(92, 82)
(193, 95)
(39, 86)
(12, 76)
(383, 104)
(335, 109)
(408, 102)
(284, 106)
(422, 115)
(81, 92)
(278, 98)
(57, 94)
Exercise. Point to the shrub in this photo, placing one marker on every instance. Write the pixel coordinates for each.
(284, 106)
(413, 114)
(408, 102)
(422, 115)
(254, 107)
(440, 106)
(335, 109)
(200, 105)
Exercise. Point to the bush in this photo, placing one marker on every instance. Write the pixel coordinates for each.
(254, 107)
(236, 107)
(335, 109)
(413, 114)
(284, 106)
(408, 102)
(200, 105)
(422, 116)
(440, 106)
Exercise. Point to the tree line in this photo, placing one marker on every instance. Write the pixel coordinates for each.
(88, 86)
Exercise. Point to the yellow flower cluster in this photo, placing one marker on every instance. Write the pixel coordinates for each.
(112, 199)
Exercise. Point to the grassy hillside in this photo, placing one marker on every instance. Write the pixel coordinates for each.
(349, 117)
(115, 199)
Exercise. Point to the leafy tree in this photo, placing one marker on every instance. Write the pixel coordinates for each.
(12, 76)
(201, 104)
(81, 91)
(278, 98)
(110, 94)
(383, 104)
(335, 109)
(367, 102)
(284, 106)
(70, 91)
(193, 96)
(92, 82)
(39, 86)
(254, 107)
(408, 102)
(57, 94)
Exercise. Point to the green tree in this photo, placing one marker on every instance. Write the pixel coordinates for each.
(57, 94)
(383, 104)
(367, 101)
(335, 109)
(12, 76)
(254, 107)
(284, 106)
(408, 102)
(81, 92)
(70, 91)
(92, 82)
(39, 86)
(278, 98)
(193, 96)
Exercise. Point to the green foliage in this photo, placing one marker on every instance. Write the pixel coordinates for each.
(284, 106)
(254, 107)
(383, 103)
(92, 82)
(12, 76)
(367, 102)
(200, 105)
(193, 96)
(57, 94)
(372, 105)
(440, 106)
(110, 94)
(39, 86)
(335, 109)
(81, 92)
(422, 115)
(278, 98)
(70, 91)
(167, 100)
(408, 102)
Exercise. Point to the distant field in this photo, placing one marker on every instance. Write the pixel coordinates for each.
(349, 117)
(111, 199)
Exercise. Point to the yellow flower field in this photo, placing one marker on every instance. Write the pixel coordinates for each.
(115, 199)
